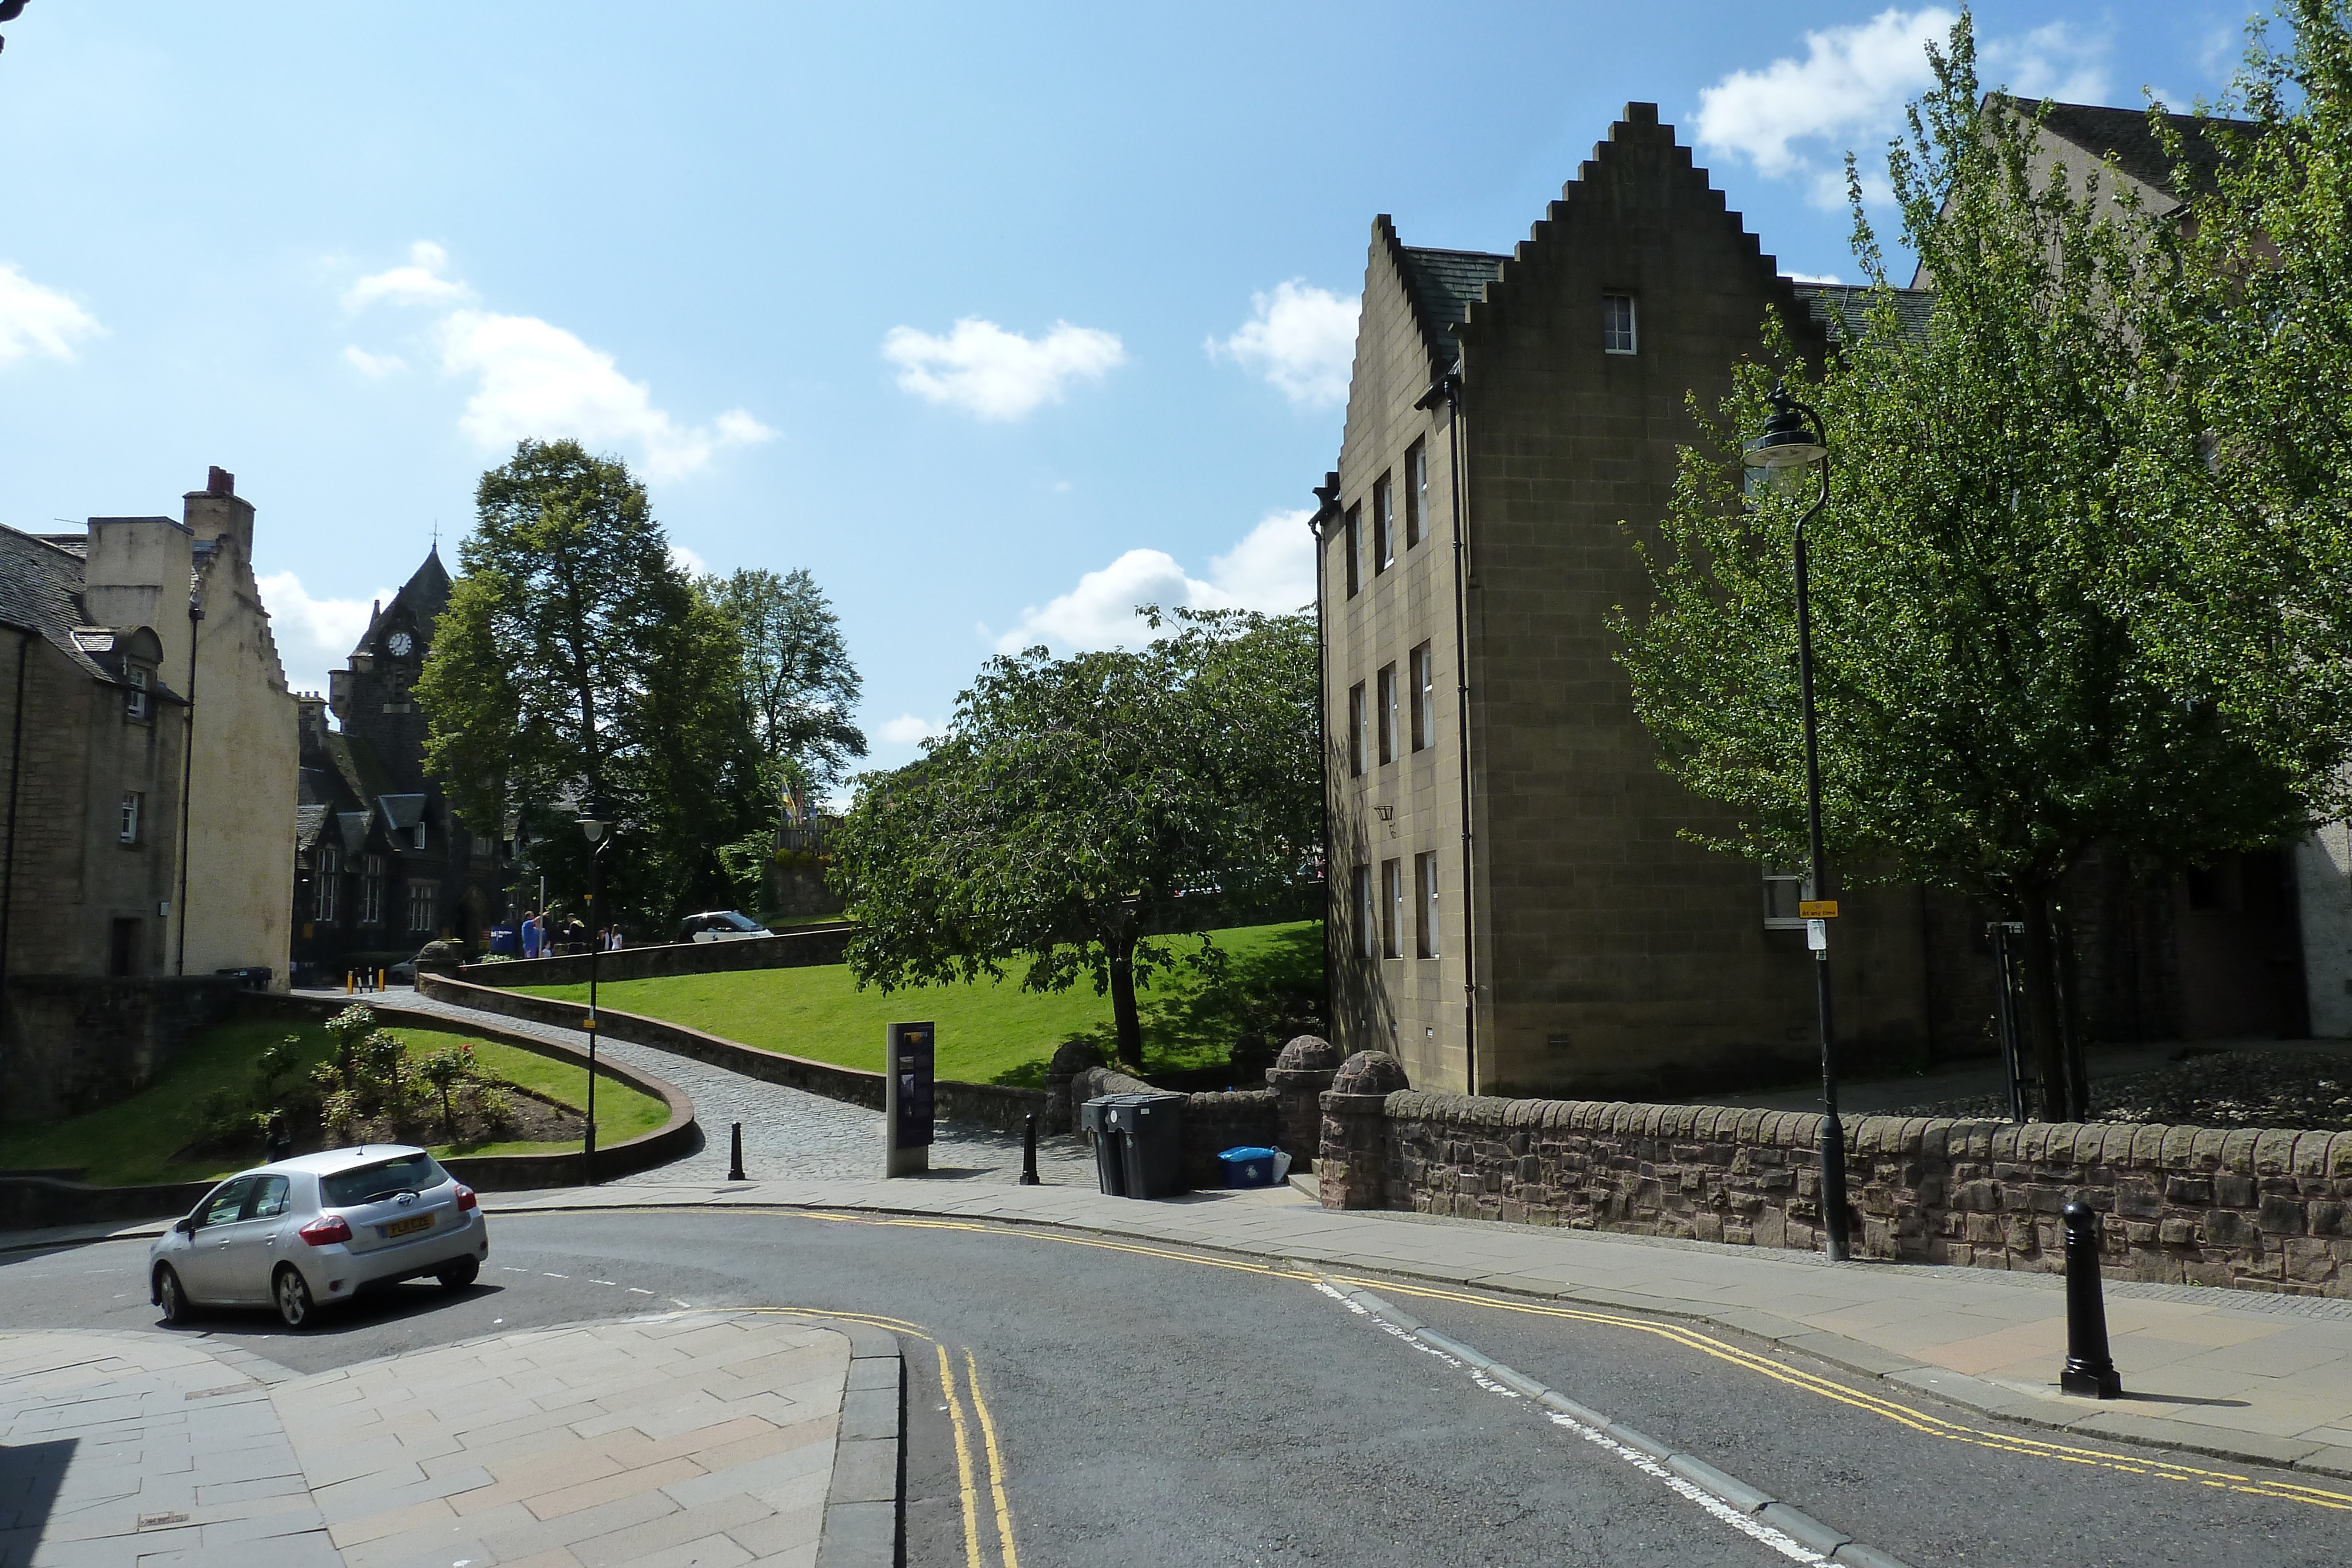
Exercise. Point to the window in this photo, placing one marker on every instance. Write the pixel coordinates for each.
(1424, 895)
(1355, 536)
(135, 700)
(1416, 494)
(1358, 718)
(416, 835)
(372, 890)
(1388, 713)
(1783, 888)
(1368, 920)
(1617, 335)
(421, 900)
(1383, 524)
(1424, 705)
(1393, 908)
(127, 829)
(268, 1198)
(226, 1204)
(324, 881)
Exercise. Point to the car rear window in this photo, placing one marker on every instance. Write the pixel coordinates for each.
(407, 1173)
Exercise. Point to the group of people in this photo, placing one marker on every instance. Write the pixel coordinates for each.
(539, 939)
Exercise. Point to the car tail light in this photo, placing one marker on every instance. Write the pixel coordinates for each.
(325, 1228)
(466, 1198)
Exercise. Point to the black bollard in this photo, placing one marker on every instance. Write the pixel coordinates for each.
(1029, 1152)
(2090, 1370)
(735, 1160)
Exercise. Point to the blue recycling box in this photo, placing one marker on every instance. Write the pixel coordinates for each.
(1248, 1168)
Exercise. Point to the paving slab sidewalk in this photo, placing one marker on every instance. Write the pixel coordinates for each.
(2238, 1374)
(691, 1437)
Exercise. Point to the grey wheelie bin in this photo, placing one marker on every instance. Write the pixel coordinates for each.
(1152, 1136)
(1110, 1162)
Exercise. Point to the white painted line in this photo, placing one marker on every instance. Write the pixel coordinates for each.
(638, 1290)
(1786, 1545)
(687, 1305)
(555, 1276)
(600, 1281)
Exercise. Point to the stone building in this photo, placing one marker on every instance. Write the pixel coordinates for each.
(149, 805)
(382, 865)
(1514, 903)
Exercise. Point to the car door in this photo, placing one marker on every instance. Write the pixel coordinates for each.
(248, 1245)
(206, 1274)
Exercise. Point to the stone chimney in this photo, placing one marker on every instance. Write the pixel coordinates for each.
(216, 511)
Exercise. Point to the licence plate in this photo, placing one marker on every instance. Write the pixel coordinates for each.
(409, 1227)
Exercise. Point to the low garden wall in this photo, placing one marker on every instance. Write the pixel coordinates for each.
(786, 950)
(2267, 1209)
(996, 1105)
(33, 1200)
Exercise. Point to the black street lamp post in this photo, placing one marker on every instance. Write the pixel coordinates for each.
(599, 835)
(1793, 439)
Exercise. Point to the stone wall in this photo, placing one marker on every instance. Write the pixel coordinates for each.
(2260, 1209)
(789, 950)
(71, 1043)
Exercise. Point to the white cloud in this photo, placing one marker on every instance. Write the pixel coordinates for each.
(540, 381)
(1300, 338)
(313, 635)
(2052, 61)
(1813, 277)
(419, 283)
(375, 367)
(982, 368)
(1271, 568)
(35, 320)
(686, 561)
(1854, 82)
(907, 729)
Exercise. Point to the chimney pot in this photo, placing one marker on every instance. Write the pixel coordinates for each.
(220, 481)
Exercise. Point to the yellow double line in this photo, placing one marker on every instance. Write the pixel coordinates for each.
(957, 1395)
(1877, 1405)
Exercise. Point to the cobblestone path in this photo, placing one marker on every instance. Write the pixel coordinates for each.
(787, 1132)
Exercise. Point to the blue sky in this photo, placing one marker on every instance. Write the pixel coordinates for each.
(996, 318)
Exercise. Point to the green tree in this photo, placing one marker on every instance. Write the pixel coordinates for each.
(797, 685)
(2023, 506)
(1082, 813)
(576, 665)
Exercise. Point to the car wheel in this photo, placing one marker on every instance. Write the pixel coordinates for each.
(293, 1297)
(169, 1298)
(459, 1274)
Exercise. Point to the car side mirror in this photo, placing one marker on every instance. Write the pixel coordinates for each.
(186, 1226)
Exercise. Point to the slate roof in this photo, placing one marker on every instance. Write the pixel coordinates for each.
(1841, 309)
(2099, 131)
(1444, 283)
(356, 761)
(401, 812)
(309, 820)
(40, 587)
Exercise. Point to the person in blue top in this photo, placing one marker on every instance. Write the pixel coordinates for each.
(531, 935)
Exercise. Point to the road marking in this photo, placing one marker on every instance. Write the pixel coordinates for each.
(970, 1495)
(675, 1302)
(602, 1282)
(1902, 1415)
(995, 1462)
(1785, 1544)
(639, 1290)
(555, 1276)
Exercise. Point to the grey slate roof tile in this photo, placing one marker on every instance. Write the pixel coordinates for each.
(1444, 283)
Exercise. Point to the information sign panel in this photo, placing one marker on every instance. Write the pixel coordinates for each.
(910, 1085)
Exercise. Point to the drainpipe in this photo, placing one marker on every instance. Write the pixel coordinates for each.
(1327, 496)
(188, 776)
(15, 773)
(1447, 389)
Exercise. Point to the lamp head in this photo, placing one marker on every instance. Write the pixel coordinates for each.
(593, 827)
(1791, 439)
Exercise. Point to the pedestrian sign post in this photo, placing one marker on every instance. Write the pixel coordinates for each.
(906, 1100)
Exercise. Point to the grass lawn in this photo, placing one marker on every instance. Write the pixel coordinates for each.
(991, 1032)
(131, 1143)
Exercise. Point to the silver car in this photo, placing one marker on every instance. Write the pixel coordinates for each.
(313, 1229)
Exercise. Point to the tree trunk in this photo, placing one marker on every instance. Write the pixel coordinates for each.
(1126, 1021)
(2054, 1093)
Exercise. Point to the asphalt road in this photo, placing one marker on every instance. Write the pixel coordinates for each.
(1161, 1408)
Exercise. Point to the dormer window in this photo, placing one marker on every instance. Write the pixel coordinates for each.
(416, 835)
(136, 699)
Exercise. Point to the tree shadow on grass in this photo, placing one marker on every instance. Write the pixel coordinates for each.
(1226, 1025)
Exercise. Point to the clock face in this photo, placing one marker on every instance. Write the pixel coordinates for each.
(399, 645)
